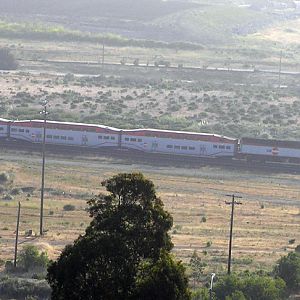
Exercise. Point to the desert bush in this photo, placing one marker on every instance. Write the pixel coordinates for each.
(69, 207)
(8, 197)
(7, 60)
(15, 191)
(4, 178)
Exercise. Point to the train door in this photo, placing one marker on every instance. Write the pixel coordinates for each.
(120, 140)
(84, 140)
(203, 150)
(8, 129)
(154, 146)
(37, 137)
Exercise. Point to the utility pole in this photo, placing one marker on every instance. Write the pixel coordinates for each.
(44, 112)
(232, 203)
(279, 72)
(17, 235)
(103, 54)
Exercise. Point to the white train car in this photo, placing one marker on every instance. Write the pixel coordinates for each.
(179, 143)
(4, 125)
(65, 133)
(270, 150)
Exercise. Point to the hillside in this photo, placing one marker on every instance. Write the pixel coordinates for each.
(199, 21)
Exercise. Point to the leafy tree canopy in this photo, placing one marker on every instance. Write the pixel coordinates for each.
(128, 236)
(288, 268)
(250, 286)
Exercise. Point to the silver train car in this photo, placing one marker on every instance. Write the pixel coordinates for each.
(151, 140)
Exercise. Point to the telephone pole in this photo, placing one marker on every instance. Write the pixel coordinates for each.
(279, 71)
(44, 112)
(103, 55)
(17, 235)
(232, 203)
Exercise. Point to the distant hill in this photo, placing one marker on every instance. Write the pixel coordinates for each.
(128, 9)
(198, 21)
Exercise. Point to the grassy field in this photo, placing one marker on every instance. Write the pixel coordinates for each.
(265, 225)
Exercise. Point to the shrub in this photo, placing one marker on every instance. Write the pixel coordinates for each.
(8, 197)
(7, 60)
(15, 191)
(4, 178)
(69, 207)
(30, 258)
(250, 286)
(24, 289)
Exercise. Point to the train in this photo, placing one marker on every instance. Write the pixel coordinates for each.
(169, 142)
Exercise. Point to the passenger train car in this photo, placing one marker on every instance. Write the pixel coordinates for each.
(63, 133)
(266, 150)
(4, 128)
(150, 140)
(97, 136)
(178, 142)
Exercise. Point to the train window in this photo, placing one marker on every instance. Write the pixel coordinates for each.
(106, 137)
(49, 136)
(191, 148)
(70, 138)
(126, 139)
(21, 130)
(221, 147)
(56, 137)
(99, 137)
(228, 147)
(39, 136)
(112, 138)
(215, 146)
(177, 147)
(269, 151)
(183, 147)
(27, 130)
(133, 140)
(1, 128)
(63, 137)
(139, 140)
(14, 130)
(170, 146)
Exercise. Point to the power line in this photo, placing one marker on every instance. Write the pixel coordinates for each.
(232, 203)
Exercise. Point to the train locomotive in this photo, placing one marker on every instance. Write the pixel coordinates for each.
(182, 143)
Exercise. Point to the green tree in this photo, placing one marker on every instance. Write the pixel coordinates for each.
(288, 268)
(7, 60)
(162, 279)
(128, 233)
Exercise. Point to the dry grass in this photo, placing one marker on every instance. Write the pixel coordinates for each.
(264, 224)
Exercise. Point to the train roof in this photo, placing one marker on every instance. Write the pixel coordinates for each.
(180, 134)
(66, 124)
(270, 143)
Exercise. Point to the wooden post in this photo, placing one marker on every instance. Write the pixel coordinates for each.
(232, 203)
(17, 235)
